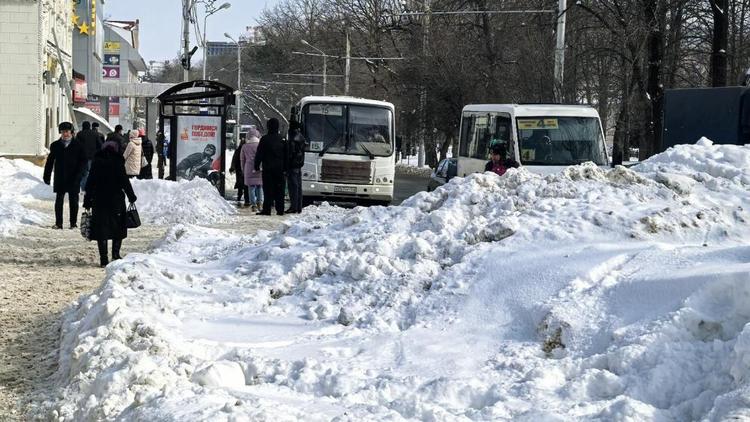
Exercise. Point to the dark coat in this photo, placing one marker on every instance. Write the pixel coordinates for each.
(236, 167)
(99, 135)
(121, 140)
(105, 194)
(148, 149)
(295, 146)
(148, 152)
(160, 145)
(271, 155)
(90, 141)
(67, 163)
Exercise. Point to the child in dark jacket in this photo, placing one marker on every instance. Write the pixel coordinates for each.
(498, 164)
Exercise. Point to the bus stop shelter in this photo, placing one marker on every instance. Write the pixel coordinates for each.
(193, 115)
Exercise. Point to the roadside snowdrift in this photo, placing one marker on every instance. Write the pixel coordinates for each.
(22, 183)
(616, 295)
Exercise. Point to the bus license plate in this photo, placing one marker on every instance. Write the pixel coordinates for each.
(345, 189)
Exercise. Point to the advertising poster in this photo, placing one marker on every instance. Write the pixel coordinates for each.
(111, 72)
(114, 106)
(198, 148)
(111, 59)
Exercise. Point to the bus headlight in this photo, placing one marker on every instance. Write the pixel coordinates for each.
(377, 180)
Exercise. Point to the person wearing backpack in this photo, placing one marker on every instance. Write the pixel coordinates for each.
(296, 159)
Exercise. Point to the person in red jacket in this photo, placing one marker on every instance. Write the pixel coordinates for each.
(498, 164)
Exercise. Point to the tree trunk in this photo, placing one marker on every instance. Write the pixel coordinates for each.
(719, 42)
(655, 20)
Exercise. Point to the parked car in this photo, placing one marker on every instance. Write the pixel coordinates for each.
(446, 169)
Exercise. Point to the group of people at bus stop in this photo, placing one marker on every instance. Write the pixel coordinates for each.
(265, 165)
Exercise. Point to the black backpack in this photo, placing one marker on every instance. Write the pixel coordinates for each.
(296, 151)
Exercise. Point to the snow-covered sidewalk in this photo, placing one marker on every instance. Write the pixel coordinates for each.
(592, 294)
(45, 270)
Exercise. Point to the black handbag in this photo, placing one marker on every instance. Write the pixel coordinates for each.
(132, 219)
(86, 225)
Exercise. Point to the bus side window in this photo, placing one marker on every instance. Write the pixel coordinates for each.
(467, 128)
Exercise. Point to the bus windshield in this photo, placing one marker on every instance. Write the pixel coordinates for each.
(548, 140)
(348, 129)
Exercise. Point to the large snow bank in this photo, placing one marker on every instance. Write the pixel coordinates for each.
(591, 294)
(21, 183)
(24, 180)
(187, 202)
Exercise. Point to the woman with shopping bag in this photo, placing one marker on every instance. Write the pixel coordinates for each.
(107, 186)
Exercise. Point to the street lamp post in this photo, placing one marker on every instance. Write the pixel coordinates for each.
(205, 33)
(238, 95)
(324, 62)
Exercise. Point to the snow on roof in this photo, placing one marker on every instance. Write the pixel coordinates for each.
(532, 110)
(344, 99)
(591, 294)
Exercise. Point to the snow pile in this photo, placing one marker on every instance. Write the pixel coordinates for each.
(590, 294)
(13, 215)
(24, 180)
(187, 202)
(22, 183)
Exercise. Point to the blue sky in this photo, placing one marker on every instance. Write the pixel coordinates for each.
(161, 22)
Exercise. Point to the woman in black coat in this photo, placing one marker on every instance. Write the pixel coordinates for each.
(105, 195)
(148, 152)
(236, 168)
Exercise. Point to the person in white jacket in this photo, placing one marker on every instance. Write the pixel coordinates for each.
(133, 154)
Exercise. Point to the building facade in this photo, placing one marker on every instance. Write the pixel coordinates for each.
(220, 48)
(36, 55)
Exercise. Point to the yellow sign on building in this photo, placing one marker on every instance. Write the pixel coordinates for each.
(112, 46)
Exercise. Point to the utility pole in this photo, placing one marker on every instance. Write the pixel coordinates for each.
(187, 5)
(348, 64)
(423, 90)
(238, 94)
(560, 52)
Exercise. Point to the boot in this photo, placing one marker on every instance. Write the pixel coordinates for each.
(116, 244)
(102, 245)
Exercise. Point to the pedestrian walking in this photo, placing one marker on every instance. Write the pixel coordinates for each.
(236, 168)
(148, 152)
(133, 155)
(160, 154)
(66, 159)
(118, 137)
(295, 160)
(253, 178)
(271, 158)
(91, 143)
(105, 196)
(95, 128)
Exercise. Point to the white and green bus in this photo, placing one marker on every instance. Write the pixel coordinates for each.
(349, 147)
(543, 138)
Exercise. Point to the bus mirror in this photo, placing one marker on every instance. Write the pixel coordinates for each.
(398, 142)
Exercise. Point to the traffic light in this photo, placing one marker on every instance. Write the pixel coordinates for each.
(186, 60)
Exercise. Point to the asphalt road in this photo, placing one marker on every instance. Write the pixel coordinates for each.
(407, 185)
(404, 187)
